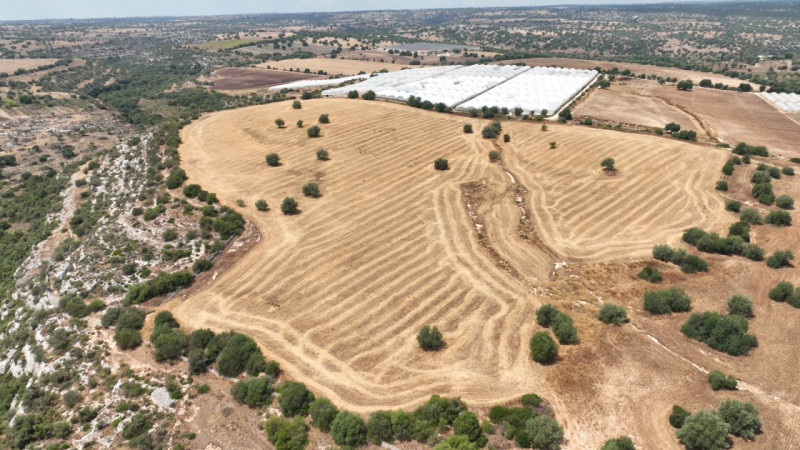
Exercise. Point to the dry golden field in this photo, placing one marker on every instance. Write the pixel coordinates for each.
(337, 66)
(338, 292)
(10, 65)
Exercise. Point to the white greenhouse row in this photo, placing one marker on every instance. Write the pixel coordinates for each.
(302, 84)
(537, 89)
(467, 87)
(784, 101)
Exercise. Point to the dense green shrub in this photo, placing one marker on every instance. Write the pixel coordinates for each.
(546, 314)
(753, 252)
(313, 131)
(261, 205)
(369, 95)
(733, 205)
(233, 357)
(322, 154)
(295, 398)
(273, 160)
(787, 171)
(620, 443)
(743, 418)
(253, 392)
(704, 430)
(740, 305)
(348, 429)
(725, 333)
(163, 283)
(492, 130)
(202, 265)
(611, 313)
(782, 292)
(543, 349)
(287, 434)
(379, 427)
(280, 123)
(778, 218)
(722, 185)
(289, 206)
(564, 329)
(494, 155)
(678, 416)
(323, 118)
(322, 413)
(663, 252)
(467, 128)
(785, 202)
(651, 274)
(297, 104)
(751, 216)
(530, 400)
(467, 424)
(544, 432)
(430, 338)
(441, 164)
(719, 380)
(664, 301)
(780, 258)
(176, 178)
(760, 176)
(741, 229)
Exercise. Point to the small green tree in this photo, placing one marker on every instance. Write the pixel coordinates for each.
(611, 313)
(751, 216)
(280, 123)
(719, 380)
(672, 127)
(553, 144)
(322, 413)
(295, 398)
(313, 131)
(202, 265)
(544, 432)
(261, 205)
(369, 95)
(743, 418)
(322, 154)
(430, 338)
(546, 314)
(379, 427)
(467, 128)
(348, 429)
(273, 160)
(494, 155)
(544, 128)
(740, 305)
(785, 202)
(608, 164)
(780, 258)
(651, 274)
(704, 430)
(441, 164)
(543, 348)
(506, 138)
(778, 218)
(287, 434)
(299, 124)
(352, 94)
(782, 291)
(678, 416)
(323, 118)
(289, 206)
(296, 104)
(311, 190)
(620, 443)
(467, 424)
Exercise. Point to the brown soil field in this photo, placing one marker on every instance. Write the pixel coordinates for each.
(736, 117)
(239, 78)
(635, 68)
(624, 103)
(338, 292)
(336, 66)
(10, 65)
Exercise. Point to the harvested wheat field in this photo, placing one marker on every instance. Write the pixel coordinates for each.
(337, 293)
(10, 65)
(335, 66)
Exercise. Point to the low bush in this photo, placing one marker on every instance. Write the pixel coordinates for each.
(467, 128)
(492, 130)
(273, 160)
(778, 218)
(313, 131)
(726, 333)
(494, 155)
(543, 348)
(287, 434)
(664, 301)
(322, 413)
(322, 155)
(546, 314)
(163, 283)
(430, 338)
(295, 398)
(733, 205)
(678, 416)
(311, 190)
(323, 118)
(441, 164)
(348, 429)
(751, 216)
(719, 380)
(704, 430)
(740, 305)
(369, 95)
(620, 443)
(202, 265)
(289, 206)
(564, 329)
(780, 258)
(753, 252)
(785, 202)
(253, 392)
(611, 313)
(743, 418)
(261, 205)
(782, 292)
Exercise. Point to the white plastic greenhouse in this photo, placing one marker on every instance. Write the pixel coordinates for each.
(784, 101)
(475, 86)
(317, 83)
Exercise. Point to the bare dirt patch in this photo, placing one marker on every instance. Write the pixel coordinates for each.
(239, 78)
(10, 65)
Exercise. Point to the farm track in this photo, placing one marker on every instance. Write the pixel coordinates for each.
(337, 293)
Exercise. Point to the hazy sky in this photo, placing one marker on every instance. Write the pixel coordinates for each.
(60, 9)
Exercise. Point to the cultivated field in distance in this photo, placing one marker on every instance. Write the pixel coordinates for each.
(336, 66)
(10, 65)
(338, 292)
(238, 78)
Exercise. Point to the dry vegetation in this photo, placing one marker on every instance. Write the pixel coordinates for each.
(337, 293)
(238, 78)
(335, 66)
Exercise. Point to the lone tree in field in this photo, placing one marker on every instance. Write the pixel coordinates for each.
(369, 95)
(296, 104)
(299, 124)
(280, 123)
(467, 128)
(322, 154)
(261, 205)
(324, 119)
(704, 430)
(430, 339)
(311, 190)
(493, 155)
(352, 94)
(273, 160)
(553, 144)
(672, 127)
(441, 164)
(289, 206)
(611, 313)
(608, 165)
(313, 131)
(543, 348)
